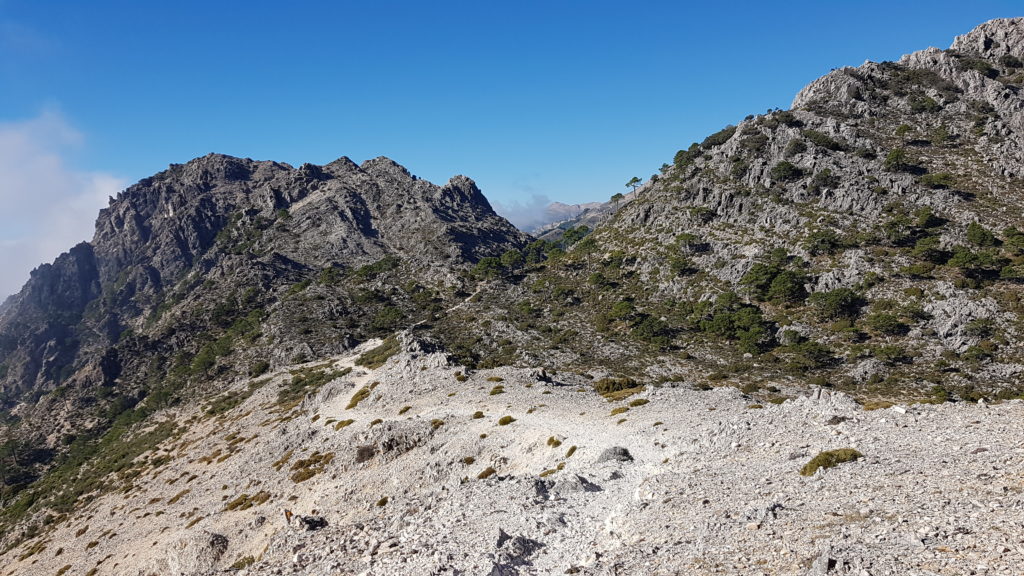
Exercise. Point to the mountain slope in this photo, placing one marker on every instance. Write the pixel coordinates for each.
(180, 378)
(223, 267)
(867, 239)
(415, 468)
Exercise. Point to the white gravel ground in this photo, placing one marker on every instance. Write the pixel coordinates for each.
(712, 486)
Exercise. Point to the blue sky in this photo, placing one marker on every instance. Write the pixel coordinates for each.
(546, 100)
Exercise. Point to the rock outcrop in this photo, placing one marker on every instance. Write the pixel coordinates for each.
(220, 258)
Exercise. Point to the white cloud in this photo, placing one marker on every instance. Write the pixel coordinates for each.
(526, 215)
(46, 207)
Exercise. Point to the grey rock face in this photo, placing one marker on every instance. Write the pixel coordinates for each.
(993, 39)
(195, 553)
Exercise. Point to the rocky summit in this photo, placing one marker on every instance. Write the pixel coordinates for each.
(796, 349)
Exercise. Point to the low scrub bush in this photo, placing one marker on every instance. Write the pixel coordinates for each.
(376, 358)
(829, 459)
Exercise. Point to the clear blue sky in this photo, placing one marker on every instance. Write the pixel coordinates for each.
(559, 98)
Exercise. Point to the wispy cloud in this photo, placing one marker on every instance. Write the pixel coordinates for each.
(45, 205)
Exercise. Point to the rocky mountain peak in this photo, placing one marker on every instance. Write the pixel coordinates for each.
(462, 189)
(993, 39)
(386, 168)
(199, 230)
(342, 165)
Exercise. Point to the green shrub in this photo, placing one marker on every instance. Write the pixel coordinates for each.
(299, 287)
(718, 138)
(924, 104)
(245, 501)
(890, 354)
(488, 268)
(1010, 61)
(1012, 273)
(809, 355)
(824, 242)
(940, 180)
(739, 168)
(513, 259)
(786, 172)
(788, 118)
(979, 235)
(732, 320)
(787, 287)
(360, 395)
(928, 249)
(681, 265)
(505, 420)
(653, 331)
(836, 304)
(897, 160)
(574, 235)
(306, 468)
(378, 356)
(1013, 242)
(259, 368)
(822, 181)
(611, 385)
(886, 324)
(980, 328)
(980, 66)
(304, 382)
(976, 264)
(754, 142)
(382, 266)
(387, 318)
(822, 140)
(684, 158)
(829, 459)
(939, 136)
(795, 146)
(330, 276)
(243, 563)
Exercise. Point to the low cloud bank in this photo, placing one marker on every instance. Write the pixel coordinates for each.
(46, 207)
(527, 215)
